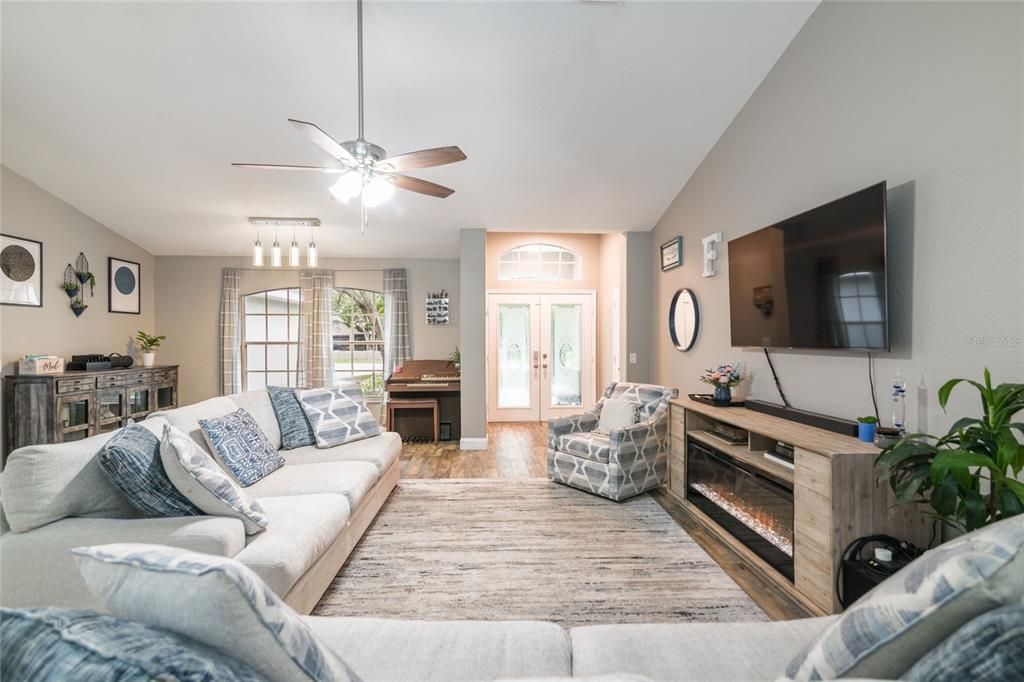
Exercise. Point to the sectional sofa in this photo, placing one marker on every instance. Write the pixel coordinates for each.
(56, 497)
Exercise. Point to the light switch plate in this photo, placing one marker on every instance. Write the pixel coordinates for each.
(632, 358)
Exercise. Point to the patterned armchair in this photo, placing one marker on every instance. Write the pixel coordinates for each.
(619, 464)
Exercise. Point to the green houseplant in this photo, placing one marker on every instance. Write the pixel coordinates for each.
(148, 345)
(455, 358)
(947, 472)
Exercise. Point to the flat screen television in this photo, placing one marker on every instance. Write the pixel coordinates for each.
(816, 280)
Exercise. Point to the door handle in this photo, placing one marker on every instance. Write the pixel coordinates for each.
(535, 361)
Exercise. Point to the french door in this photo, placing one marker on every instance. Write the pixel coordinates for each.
(540, 355)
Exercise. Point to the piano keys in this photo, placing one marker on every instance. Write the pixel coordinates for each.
(424, 379)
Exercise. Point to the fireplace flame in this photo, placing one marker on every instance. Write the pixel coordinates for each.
(769, 527)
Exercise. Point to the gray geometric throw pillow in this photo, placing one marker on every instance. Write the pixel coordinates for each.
(990, 647)
(242, 446)
(338, 415)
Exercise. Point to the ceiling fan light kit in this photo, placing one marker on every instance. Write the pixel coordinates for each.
(366, 170)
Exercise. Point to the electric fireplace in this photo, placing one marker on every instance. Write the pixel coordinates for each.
(752, 505)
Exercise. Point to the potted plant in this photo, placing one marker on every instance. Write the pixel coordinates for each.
(947, 472)
(723, 378)
(78, 307)
(148, 345)
(90, 279)
(70, 288)
(866, 428)
(456, 358)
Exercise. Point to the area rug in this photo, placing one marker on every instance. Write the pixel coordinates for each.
(530, 549)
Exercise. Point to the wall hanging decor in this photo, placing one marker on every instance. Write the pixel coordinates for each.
(672, 254)
(85, 275)
(73, 288)
(683, 319)
(710, 253)
(437, 308)
(21, 271)
(124, 283)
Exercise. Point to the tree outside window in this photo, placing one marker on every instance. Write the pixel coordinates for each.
(357, 329)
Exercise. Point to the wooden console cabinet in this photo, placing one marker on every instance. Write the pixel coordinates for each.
(836, 499)
(58, 408)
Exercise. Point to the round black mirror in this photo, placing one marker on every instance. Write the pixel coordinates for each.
(684, 319)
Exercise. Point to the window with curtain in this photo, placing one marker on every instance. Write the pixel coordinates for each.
(539, 262)
(357, 329)
(270, 339)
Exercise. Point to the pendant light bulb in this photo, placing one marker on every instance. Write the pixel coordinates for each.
(257, 252)
(311, 256)
(377, 191)
(275, 253)
(293, 253)
(348, 186)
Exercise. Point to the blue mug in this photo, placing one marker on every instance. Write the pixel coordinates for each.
(866, 432)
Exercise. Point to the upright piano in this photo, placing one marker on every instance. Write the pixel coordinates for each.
(437, 379)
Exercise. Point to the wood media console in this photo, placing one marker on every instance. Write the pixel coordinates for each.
(789, 521)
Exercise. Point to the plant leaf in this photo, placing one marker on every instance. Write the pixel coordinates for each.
(975, 513)
(958, 460)
(944, 497)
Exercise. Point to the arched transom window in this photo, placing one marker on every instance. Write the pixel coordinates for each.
(539, 262)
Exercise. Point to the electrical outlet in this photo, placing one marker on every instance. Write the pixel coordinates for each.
(632, 358)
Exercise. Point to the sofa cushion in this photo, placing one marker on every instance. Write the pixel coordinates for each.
(990, 647)
(691, 651)
(384, 649)
(186, 419)
(889, 629)
(258, 404)
(194, 473)
(338, 415)
(54, 645)
(381, 451)
(212, 600)
(22, 555)
(239, 443)
(301, 528)
(617, 413)
(586, 444)
(291, 419)
(351, 479)
(131, 460)
(45, 483)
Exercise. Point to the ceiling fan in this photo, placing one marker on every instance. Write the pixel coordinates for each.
(365, 168)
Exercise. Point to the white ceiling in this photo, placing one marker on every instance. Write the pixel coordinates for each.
(582, 117)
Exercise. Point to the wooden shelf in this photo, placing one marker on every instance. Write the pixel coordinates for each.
(743, 454)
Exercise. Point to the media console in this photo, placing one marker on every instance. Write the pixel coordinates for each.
(789, 521)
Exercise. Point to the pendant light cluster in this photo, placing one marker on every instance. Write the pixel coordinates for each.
(293, 250)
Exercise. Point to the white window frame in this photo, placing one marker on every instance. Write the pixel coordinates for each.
(291, 345)
(524, 263)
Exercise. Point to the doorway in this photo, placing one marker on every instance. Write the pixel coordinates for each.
(540, 355)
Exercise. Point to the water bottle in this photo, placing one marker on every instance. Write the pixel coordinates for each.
(899, 403)
(922, 406)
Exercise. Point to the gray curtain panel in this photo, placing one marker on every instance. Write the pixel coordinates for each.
(316, 359)
(230, 334)
(396, 320)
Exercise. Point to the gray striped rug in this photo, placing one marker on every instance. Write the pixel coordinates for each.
(530, 549)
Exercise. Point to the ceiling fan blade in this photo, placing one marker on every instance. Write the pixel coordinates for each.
(425, 158)
(421, 186)
(281, 166)
(323, 140)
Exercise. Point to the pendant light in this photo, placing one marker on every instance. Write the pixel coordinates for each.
(257, 251)
(311, 257)
(294, 256)
(293, 252)
(275, 253)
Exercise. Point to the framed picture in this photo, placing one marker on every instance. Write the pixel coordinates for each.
(21, 271)
(125, 283)
(672, 254)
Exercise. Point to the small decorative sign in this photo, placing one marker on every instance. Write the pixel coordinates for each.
(710, 253)
(41, 364)
(672, 254)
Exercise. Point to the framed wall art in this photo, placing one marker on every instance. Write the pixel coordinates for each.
(124, 281)
(21, 271)
(672, 254)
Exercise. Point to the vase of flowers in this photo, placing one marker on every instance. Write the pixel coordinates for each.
(723, 378)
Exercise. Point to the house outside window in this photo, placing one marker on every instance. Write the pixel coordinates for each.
(357, 330)
(270, 339)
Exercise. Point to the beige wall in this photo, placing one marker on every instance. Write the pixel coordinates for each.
(472, 334)
(927, 96)
(188, 304)
(612, 271)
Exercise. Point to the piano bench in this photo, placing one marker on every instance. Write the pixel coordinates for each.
(432, 404)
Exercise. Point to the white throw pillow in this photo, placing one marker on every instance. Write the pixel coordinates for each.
(616, 413)
(213, 600)
(196, 476)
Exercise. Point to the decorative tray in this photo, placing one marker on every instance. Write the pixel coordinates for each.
(709, 399)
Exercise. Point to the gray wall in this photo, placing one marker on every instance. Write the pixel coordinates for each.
(27, 210)
(472, 331)
(927, 96)
(188, 304)
(637, 307)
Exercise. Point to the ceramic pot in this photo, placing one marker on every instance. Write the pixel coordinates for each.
(866, 432)
(148, 359)
(723, 394)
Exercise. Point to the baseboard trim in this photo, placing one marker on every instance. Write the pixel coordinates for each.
(473, 443)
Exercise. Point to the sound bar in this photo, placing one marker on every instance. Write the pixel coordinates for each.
(821, 421)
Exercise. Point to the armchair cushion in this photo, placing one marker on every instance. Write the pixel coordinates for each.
(587, 444)
(617, 413)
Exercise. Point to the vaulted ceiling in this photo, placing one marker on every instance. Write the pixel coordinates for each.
(575, 116)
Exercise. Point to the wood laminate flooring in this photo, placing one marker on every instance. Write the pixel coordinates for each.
(518, 450)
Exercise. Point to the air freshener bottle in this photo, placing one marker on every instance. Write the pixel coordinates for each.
(899, 402)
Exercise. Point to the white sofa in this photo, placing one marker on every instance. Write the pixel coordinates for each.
(55, 497)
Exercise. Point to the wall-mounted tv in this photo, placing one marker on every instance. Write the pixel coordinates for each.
(816, 280)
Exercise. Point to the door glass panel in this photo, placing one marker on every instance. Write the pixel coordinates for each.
(565, 361)
(165, 397)
(138, 400)
(111, 406)
(514, 355)
(75, 413)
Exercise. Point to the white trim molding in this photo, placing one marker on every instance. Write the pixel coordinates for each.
(473, 443)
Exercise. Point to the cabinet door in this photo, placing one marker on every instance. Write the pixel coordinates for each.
(139, 400)
(75, 416)
(165, 396)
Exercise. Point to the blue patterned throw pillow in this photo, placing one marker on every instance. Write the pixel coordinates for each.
(131, 460)
(892, 627)
(56, 645)
(211, 599)
(990, 647)
(295, 429)
(240, 443)
(338, 415)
